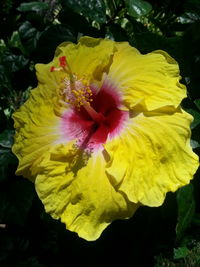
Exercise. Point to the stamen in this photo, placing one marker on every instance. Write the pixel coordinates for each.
(65, 65)
(77, 92)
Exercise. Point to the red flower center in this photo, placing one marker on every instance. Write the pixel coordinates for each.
(91, 129)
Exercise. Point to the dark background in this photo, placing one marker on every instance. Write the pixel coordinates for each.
(29, 33)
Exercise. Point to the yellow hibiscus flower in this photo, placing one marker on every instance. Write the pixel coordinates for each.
(104, 133)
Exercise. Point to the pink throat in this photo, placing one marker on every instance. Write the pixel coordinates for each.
(93, 123)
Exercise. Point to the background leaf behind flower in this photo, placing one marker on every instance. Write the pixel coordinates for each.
(29, 33)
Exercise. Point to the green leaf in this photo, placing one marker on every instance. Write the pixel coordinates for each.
(6, 138)
(192, 6)
(2, 46)
(186, 209)
(15, 41)
(14, 62)
(194, 144)
(138, 8)
(5, 81)
(51, 38)
(77, 22)
(196, 116)
(3, 119)
(93, 9)
(197, 103)
(8, 163)
(29, 36)
(33, 6)
(115, 32)
(180, 252)
(147, 41)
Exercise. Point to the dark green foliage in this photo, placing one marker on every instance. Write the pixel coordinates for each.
(186, 209)
(29, 36)
(33, 6)
(95, 10)
(29, 33)
(180, 252)
(138, 8)
(50, 38)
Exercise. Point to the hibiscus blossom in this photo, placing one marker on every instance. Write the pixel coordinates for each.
(104, 133)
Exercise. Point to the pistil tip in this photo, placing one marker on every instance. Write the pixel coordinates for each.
(63, 61)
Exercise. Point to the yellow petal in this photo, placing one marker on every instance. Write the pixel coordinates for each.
(85, 200)
(152, 78)
(155, 155)
(37, 128)
(89, 58)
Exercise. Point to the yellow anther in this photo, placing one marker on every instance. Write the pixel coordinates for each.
(77, 93)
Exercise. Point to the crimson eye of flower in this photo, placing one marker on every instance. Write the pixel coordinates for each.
(97, 120)
(104, 133)
(95, 113)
